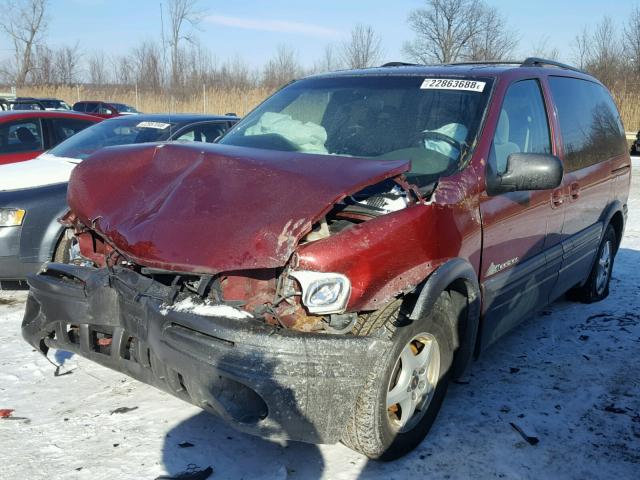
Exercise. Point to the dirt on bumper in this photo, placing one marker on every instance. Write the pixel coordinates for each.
(270, 382)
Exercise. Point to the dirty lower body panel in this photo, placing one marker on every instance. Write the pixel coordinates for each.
(271, 382)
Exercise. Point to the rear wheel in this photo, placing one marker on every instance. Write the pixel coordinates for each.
(597, 286)
(404, 392)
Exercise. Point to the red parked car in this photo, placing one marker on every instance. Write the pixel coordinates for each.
(25, 134)
(347, 249)
(104, 109)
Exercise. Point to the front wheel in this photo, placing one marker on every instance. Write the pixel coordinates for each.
(68, 249)
(404, 392)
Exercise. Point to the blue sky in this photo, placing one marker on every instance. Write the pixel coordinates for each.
(252, 29)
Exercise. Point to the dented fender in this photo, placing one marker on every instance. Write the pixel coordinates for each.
(394, 253)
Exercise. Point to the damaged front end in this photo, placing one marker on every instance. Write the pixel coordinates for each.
(243, 247)
(260, 378)
(229, 307)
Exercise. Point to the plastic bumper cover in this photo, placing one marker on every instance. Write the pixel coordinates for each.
(275, 383)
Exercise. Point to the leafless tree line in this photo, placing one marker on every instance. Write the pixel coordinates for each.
(444, 31)
(611, 53)
(190, 66)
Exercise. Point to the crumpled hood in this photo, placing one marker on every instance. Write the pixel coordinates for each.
(213, 208)
(43, 170)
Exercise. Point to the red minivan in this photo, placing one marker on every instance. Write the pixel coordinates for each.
(25, 134)
(324, 271)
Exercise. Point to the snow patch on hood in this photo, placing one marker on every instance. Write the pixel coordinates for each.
(43, 170)
(206, 309)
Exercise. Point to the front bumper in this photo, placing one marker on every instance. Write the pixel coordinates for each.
(278, 384)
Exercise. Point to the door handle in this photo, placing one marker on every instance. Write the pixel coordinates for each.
(574, 190)
(557, 199)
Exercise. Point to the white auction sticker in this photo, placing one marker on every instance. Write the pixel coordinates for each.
(157, 125)
(452, 84)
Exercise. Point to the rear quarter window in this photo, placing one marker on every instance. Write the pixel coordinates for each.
(590, 124)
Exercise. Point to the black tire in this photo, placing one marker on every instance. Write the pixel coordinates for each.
(370, 430)
(593, 290)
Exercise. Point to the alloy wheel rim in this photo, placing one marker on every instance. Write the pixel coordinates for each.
(413, 382)
(604, 268)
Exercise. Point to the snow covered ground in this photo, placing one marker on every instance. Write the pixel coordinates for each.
(569, 377)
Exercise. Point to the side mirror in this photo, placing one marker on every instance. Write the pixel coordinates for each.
(526, 171)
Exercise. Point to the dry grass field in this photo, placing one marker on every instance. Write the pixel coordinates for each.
(629, 105)
(239, 101)
(210, 101)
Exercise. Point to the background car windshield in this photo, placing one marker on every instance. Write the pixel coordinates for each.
(120, 131)
(58, 104)
(378, 117)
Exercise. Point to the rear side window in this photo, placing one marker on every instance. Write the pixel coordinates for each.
(523, 126)
(79, 107)
(66, 127)
(21, 136)
(589, 122)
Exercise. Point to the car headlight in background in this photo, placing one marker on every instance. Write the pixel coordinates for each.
(11, 217)
(323, 292)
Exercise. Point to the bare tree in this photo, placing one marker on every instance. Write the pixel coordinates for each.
(600, 52)
(181, 12)
(492, 41)
(42, 66)
(329, 61)
(146, 59)
(543, 50)
(198, 66)
(632, 38)
(24, 22)
(98, 73)
(363, 49)
(581, 48)
(236, 74)
(282, 68)
(451, 30)
(123, 70)
(444, 30)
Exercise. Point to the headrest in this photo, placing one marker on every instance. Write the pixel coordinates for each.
(502, 130)
(25, 135)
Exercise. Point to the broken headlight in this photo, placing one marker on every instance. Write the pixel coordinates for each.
(11, 217)
(323, 292)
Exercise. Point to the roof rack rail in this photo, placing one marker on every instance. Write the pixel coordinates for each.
(541, 62)
(399, 64)
(484, 62)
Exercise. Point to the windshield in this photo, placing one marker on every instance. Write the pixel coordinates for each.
(432, 122)
(57, 104)
(122, 108)
(119, 131)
